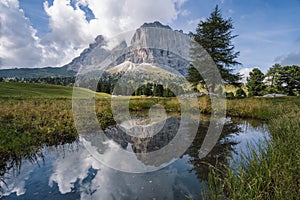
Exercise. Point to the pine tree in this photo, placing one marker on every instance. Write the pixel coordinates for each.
(255, 83)
(289, 80)
(215, 36)
(158, 90)
(272, 77)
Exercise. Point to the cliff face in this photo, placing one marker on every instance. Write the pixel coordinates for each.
(92, 55)
(152, 43)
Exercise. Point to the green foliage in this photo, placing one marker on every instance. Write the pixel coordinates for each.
(240, 93)
(36, 73)
(56, 80)
(289, 80)
(168, 93)
(215, 36)
(272, 76)
(229, 95)
(194, 77)
(158, 90)
(284, 80)
(255, 83)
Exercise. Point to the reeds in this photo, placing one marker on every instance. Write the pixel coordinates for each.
(271, 173)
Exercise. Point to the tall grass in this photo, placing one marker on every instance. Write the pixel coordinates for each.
(262, 108)
(271, 173)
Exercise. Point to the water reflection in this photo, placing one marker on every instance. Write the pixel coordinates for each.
(70, 172)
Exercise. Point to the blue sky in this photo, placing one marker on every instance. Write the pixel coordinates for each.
(39, 33)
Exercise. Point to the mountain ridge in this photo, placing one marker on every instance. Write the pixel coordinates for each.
(136, 52)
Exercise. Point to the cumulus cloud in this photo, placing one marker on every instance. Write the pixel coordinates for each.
(70, 31)
(245, 72)
(289, 59)
(18, 44)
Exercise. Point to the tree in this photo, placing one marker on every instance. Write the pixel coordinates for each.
(240, 93)
(215, 36)
(168, 93)
(272, 77)
(289, 80)
(194, 77)
(158, 90)
(255, 83)
(147, 90)
(284, 79)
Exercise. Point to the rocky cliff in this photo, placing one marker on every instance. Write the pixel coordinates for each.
(152, 43)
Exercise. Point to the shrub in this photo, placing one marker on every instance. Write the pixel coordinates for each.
(229, 95)
(240, 93)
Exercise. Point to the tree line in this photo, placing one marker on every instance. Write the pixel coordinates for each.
(108, 83)
(65, 81)
(278, 79)
(105, 84)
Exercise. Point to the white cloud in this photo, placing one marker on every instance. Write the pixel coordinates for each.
(245, 72)
(108, 183)
(18, 43)
(70, 31)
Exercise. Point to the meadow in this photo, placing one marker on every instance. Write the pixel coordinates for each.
(35, 115)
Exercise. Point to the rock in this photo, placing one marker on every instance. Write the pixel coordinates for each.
(152, 43)
(92, 55)
(156, 24)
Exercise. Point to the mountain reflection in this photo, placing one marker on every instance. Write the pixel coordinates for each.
(69, 171)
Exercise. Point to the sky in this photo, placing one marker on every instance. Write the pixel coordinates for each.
(44, 33)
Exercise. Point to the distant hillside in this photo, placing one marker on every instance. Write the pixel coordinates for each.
(40, 91)
(32, 90)
(37, 72)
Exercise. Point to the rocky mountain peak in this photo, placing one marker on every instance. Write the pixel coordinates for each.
(155, 24)
(152, 43)
(99, 41)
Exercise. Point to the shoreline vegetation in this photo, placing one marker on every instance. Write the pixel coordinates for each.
(35, 115)
(271, 173)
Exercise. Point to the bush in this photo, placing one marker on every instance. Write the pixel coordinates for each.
(240, 93)
(229, 95)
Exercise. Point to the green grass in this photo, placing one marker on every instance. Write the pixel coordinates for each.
(262, 108)
(14, 90)
(32, 90)
(271, 173)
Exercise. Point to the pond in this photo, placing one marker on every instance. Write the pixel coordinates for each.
(71, 171)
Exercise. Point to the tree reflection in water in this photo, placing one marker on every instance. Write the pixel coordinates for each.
(219, 154)
(197, 166)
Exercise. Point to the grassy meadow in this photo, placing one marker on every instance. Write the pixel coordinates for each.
(34, 115)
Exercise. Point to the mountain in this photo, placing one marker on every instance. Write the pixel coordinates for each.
(153, 44)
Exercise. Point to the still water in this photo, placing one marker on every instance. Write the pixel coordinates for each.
(69, 171)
